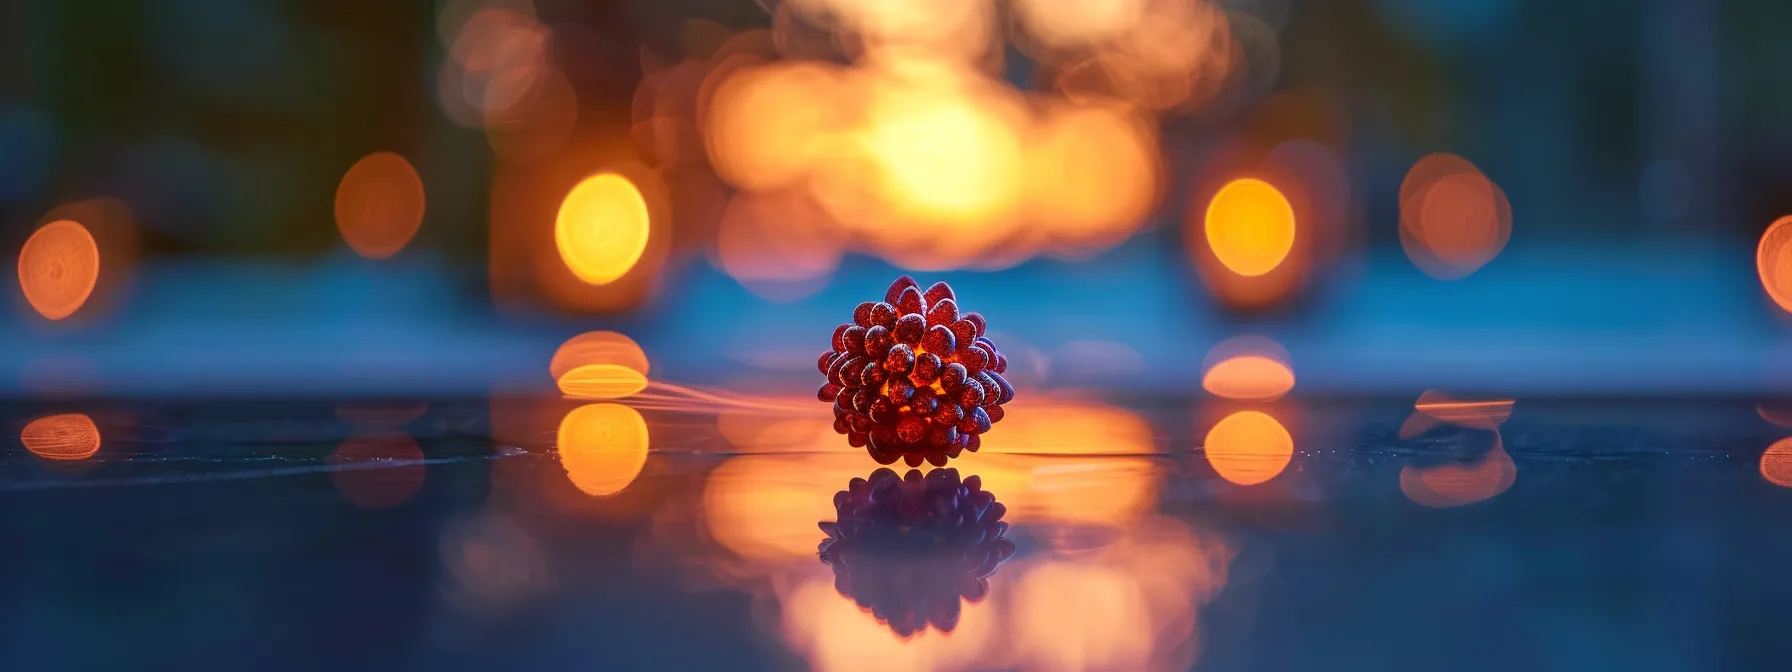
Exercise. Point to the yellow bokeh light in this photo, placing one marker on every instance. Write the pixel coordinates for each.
(1250, 226)
(379, 205)
(602, 228)
(942, 153)
(767, 125)
(1773, 261)
(71, 436)
(602, 381)
(1776, 463)
(58, 268)
(1249, 378)
(603, 447)
(1249, 447)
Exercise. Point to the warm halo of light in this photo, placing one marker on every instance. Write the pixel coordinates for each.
(378, 471)
(71, 436)
(1249, 447)
(602, 228)
(603, 447)
(379, 205)
(58, 268)
(1250, 226)
(598, 347)
(1075, 23)
(1247, 368)
(1773, 261)
(1453, 220)
(1776, 463)
(779, 245)
(1776, 412)
(602, 381)
(767, 125)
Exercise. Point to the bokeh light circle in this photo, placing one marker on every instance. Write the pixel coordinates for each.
(603, 447)
(379, 205)
(1250, 226)
(1776, 463)
(58, 268)
(602, 228)
(70, 436)
(1773, 261)
(1249, 447)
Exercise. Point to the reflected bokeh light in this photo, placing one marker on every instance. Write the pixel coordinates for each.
(69, 436)
(602, 228)
(1776, 463)
(603, 447)
(1248, 447)
(379, 205)
(1453, 219)
(1247, 368)
(58, 268)
(377, 471)
(1457, 484)
(599, 365)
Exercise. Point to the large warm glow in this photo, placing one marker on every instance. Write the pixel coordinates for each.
(1075, 23)
(1459, 484)
(602, 228)
(58, 268)
(1773, 261)
(379, 205)
(1250, 226)
(837, 636)
(71, 436)
(767, 126)
(1092, 175)
(763, 508)
(1249, 447)
(378, 471)
(1083, 617)
(943, 155)
(603, 447)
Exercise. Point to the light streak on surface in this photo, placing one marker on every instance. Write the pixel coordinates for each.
(1250, 226)
(602, 228)
(379, 205)
(70, 436)
(603, 447)
(1249, 447)
(58, 268)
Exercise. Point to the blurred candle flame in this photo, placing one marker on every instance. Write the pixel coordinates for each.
(1249, 447)
(603, 447)
(379, 205)
(58, 268)
(71, 436)
(1250, 226)
(602, 228)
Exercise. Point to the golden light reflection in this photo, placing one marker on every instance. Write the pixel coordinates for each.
(1453, 220)
(603, 447)
(58, 268)
(1248, 368)
(1250, 226)
(1249, 447)
(378, 471)
(602, 228)
(836, 635)
(598, 347)
(1773, 262)
(1453, 484)
(602, 381)
(70, 436)
(379, 205)
(1776, 463)
(1083, 617)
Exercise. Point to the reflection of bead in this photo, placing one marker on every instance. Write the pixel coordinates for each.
(909, 549)
(914, 357)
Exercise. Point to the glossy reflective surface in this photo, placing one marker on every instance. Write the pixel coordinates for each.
(703, 529)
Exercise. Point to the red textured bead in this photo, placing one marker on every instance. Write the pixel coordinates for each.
(953, 376)
(855, 340)
(927, 369)
(965, 333)
(939, 340)
(939, 290)
(827, 360)
(878, 342)
(828, 392)
(975, 359)
(911, 430)
(839, 342)
(944, 312)
(975, 422)
(924, 402)
(861, 315)
(977, 321)
(972, 394)
(909, 302)
(883, 314)
(948, 414)
(909, 329)
(901, 359)
(895, 291)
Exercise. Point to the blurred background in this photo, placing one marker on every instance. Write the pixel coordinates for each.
(284, 197)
